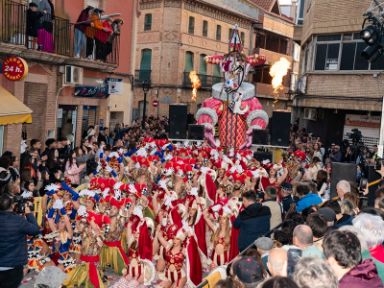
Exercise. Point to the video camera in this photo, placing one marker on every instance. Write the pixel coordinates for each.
(373, 34)
(20, 204)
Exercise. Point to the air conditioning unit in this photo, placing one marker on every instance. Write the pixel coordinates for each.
(301, 85)
(310, 114)
(73, 75)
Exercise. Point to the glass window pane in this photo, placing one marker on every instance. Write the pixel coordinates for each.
(322, 38)
(260, 41)
(360, 62)
(216, 70)
(242, 37)
(188, 61)
(146, 59)
(218, 33)
(267, 78)
(332, 60)
(203, 65)
(347, 37)
(348, 56)
(272, 43)
(205, 28)
(191, 25)
(378, 64)
(356, 36)
(321, 52)
(301, 9)
(148, 22)
(283, 46)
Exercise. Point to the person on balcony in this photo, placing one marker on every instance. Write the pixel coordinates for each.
(101, 39)
(95, 26)
(45, 33)
(116, 29)
(33, 24)
(80, 28)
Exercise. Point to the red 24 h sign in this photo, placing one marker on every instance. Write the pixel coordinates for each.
(15, 68)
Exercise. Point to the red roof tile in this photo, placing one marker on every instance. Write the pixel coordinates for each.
(265, 4)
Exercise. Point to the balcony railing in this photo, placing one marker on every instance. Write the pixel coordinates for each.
(206, 80)
(61, 41)
(143, 76)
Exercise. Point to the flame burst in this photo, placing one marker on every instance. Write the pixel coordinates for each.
(196, 84)
(278, 71)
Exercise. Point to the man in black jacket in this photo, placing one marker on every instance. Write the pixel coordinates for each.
(253, 221)
(13, 243)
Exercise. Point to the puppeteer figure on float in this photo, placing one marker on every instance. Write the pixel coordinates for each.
(233, 104)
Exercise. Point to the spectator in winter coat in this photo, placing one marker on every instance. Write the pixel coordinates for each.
(13, 242)
(253, 221)
(343, 253)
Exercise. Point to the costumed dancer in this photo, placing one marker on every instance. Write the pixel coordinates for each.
(38, 254)
(63, 236)
(88, 273)
(112, 253)
(139, 244)
(220, 226)
(183, 264)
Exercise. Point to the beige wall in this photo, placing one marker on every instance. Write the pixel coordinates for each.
(169, 40)
(324, 16)
(277, 25)
(348, 90)
(121, 103)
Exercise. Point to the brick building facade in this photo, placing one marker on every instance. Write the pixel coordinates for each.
(48, 90)
(338, 89)
(173, 37)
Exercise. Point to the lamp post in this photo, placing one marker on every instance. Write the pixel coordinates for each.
(146, 86)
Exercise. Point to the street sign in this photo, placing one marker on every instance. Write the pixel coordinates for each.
(155, 103)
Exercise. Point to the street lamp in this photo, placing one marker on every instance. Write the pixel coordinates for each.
(146, 86)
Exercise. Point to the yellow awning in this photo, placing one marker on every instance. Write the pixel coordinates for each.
(12, 110)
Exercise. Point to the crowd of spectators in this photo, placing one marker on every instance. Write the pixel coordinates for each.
(61, 160)
(315, 250)
(291, 232)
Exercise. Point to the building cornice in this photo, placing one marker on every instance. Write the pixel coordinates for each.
(202, 8)
(55, 59)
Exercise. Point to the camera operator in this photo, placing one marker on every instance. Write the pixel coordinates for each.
(13, 243)
(335, 153)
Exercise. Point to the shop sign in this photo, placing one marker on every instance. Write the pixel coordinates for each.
(14, 68)
(91, 91)
(115, 85)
